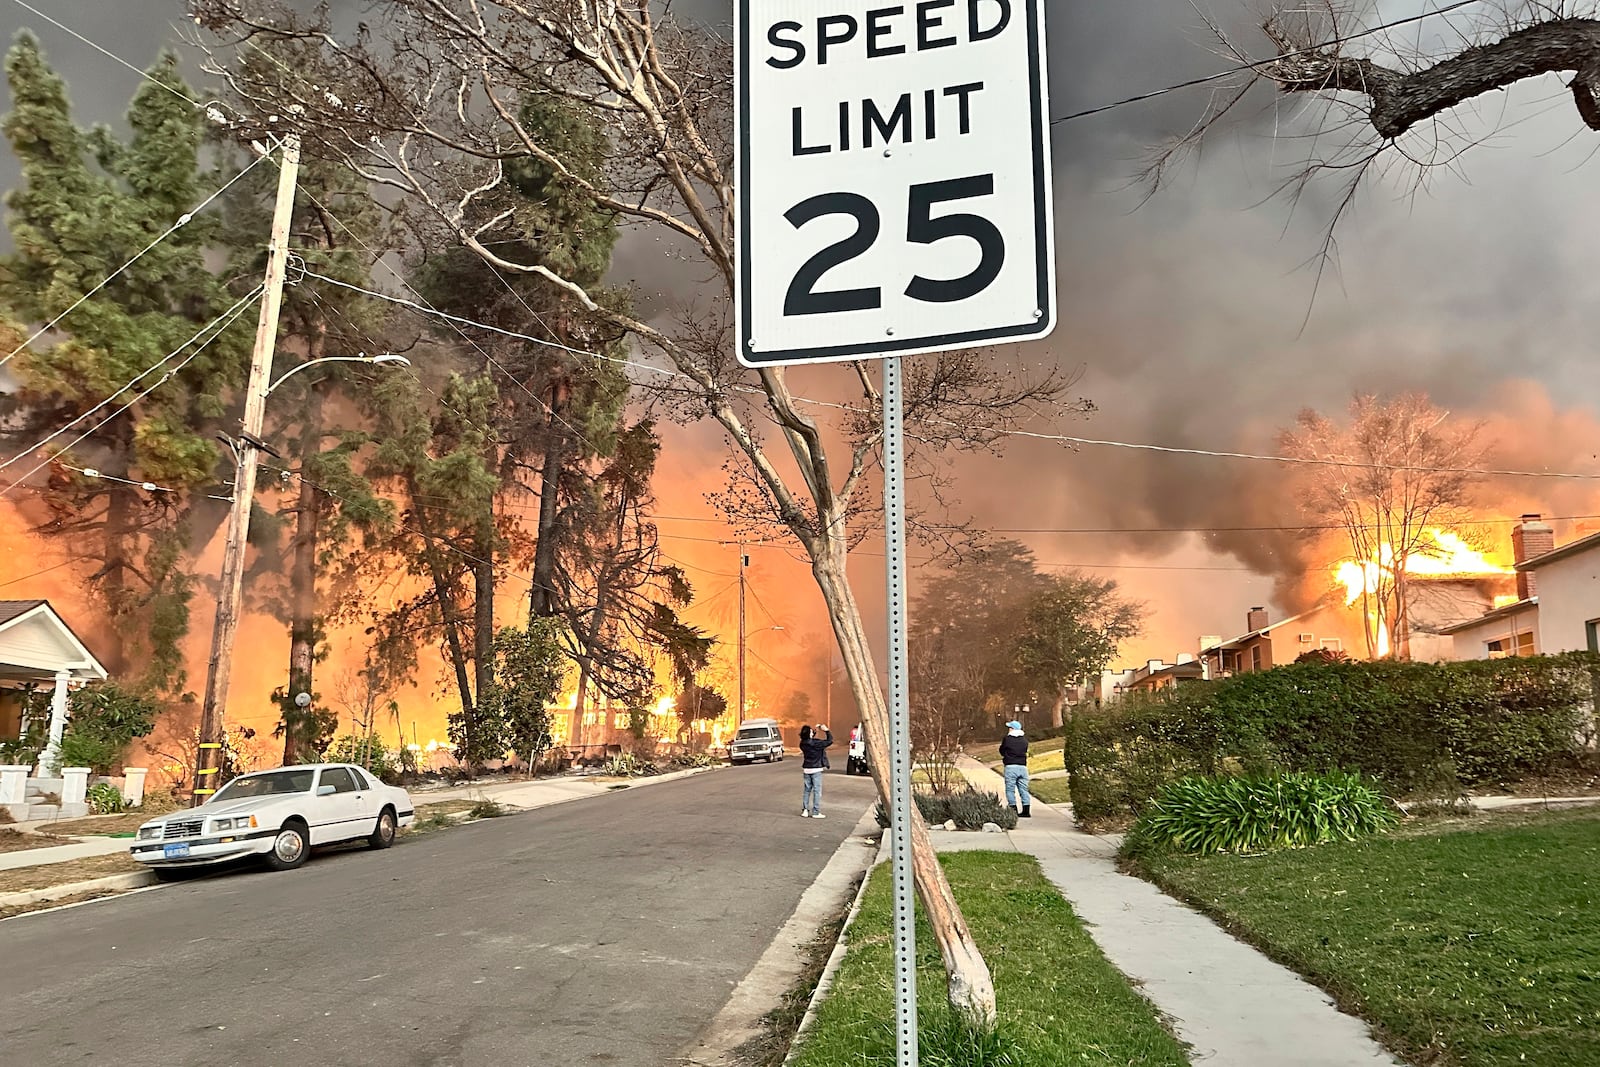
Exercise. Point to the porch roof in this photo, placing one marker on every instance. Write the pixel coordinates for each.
(36, 644)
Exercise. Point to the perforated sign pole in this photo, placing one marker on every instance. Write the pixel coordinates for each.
(894, 524)
(893, 197)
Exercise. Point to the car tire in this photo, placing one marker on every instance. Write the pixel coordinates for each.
(383, 834)
(291, 848)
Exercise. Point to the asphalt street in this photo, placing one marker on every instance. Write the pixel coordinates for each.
(607, 931)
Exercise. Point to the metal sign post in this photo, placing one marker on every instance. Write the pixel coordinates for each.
(894, 526)
(893, 192)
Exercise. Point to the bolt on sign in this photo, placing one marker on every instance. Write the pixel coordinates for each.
(892, 178)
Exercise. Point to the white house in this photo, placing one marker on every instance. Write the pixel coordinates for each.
(39, 651)
(1558, 600)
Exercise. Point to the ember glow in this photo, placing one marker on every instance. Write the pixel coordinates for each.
(1441, 554)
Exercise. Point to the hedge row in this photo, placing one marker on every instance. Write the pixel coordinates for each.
(1421, 729)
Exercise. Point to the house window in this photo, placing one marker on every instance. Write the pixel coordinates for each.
(1332, 644)
(1255, 657)
(1593, 626)
(1309, 639)
(1514, 645)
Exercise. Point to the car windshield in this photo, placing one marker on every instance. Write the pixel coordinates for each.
(275, 783)
(753, 733)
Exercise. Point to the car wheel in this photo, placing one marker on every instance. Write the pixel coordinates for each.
(383, 834)
(291, 848)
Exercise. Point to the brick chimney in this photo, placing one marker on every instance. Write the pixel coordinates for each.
(1255, 620)
(1530, 538)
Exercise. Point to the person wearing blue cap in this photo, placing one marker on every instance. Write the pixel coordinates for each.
(1014, 753)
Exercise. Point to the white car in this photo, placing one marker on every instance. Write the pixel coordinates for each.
(278, 815)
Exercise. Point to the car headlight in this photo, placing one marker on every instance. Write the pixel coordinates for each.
(146, 833)
(237, 822)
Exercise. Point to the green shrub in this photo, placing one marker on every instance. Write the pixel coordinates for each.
(1251, 813)
(628, 765)
(103, 720)
(105, 799)
(970, 809)
(484, 808)
(365, 752)
(1422, 729)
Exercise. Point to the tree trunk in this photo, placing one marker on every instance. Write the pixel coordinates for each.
(597, 619)
(542, 601)
(483, 609)
(970, 987)
(303, 586)
(120, 505)
(1058, 708)
(449, 611)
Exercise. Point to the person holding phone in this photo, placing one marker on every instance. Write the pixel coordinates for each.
(814, 742)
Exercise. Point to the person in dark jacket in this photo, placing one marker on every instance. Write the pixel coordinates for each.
(1014, 753)
(813, 745)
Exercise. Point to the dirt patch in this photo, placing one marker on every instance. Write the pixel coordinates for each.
(17, 841)
(49, 874)
(444, 807)
(102, 824)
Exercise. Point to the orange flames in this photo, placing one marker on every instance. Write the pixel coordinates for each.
(1440, 554)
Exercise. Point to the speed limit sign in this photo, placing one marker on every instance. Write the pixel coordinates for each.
(892, 178)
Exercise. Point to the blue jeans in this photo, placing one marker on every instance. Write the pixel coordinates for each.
(811, 799)
(1017, 782)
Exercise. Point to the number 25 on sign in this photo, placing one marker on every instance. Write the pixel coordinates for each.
(892, 178)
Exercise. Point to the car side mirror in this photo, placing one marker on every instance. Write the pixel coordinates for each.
(326, 790)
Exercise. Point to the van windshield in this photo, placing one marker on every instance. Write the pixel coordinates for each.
(755, 733)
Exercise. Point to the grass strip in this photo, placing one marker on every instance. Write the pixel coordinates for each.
(1050, 790)
(1470, 943)
(1060, 1001)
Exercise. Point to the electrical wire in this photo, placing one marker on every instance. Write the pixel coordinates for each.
(107, 52)
(183, 220)
(235, 312)
(134, 380)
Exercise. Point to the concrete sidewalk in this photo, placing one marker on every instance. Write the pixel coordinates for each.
(1230, 1003)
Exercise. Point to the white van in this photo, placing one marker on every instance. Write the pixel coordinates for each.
(757, 739)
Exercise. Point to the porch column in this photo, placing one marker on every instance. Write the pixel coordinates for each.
(133, 785)
(50, 758)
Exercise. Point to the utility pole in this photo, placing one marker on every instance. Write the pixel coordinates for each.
(219, 667)
(744, 561)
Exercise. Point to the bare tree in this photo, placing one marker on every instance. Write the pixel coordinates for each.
(1391, 88)
(1408, 474)
(426, 102)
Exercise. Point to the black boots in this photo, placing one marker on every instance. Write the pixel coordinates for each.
(1026, 813)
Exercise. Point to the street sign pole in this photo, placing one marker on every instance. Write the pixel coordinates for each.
(894, 523)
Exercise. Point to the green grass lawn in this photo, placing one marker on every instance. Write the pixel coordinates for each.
(1050, 790)
(1060, 1002)
(1044, 754)
(1471, 943)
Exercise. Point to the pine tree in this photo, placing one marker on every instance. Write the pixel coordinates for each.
(89, 202)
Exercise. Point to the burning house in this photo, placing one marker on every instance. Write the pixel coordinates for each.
(1557, 602)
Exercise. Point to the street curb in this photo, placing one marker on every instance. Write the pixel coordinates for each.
(840, 947)
(115, 883)
(741, 1017)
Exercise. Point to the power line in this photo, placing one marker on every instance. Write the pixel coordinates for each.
(183, 220)
(1256, 65)
(232, 314)
(107, 52)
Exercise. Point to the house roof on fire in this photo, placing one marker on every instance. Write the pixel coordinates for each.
(1503, 612)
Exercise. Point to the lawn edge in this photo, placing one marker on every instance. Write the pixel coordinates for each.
(836, 956)
(1346, 1000)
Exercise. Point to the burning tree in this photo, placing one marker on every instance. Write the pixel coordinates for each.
(427, 103)
(1390, 480)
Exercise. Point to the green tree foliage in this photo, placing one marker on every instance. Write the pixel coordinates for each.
(1071, 629)
(433, 458)
(103, 720)
(531, 667)
(88, 202)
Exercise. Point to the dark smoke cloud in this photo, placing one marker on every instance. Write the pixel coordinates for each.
(1189, 314)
